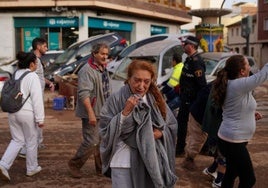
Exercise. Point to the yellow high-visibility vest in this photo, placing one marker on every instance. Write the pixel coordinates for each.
(174, 80)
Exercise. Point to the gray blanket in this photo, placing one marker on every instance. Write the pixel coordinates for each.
(152, 161)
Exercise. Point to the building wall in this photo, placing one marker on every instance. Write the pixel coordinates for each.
(263, 33)
(6, 37)
(262, 16)
(238, 43)
(141, 28)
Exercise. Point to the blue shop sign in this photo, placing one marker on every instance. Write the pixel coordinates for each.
(62, 22)
(46, 22)
(158, 30)
(109, 24)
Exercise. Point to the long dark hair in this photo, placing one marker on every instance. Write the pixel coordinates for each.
(231, 71)
(153, 89)
(25, 59)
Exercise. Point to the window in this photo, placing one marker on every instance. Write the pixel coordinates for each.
(253, 28)
(244, 50)
(232, 31)
(237, 31)
(265, 24)
(167, 59)
(252, 51)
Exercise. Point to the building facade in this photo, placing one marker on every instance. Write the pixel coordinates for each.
(63, 22)
(238, 44)
(262, 17)
(258, 37)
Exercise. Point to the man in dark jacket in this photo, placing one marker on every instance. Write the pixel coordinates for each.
(191, 81)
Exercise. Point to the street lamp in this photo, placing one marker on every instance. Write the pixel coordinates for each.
(221, 9)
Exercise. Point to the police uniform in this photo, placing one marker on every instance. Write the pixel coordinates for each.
(191, 81)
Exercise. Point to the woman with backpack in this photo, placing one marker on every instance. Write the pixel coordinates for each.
(23, 123)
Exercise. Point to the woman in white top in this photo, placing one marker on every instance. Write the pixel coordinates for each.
(23, 124)
(138, 133)
(233, 92)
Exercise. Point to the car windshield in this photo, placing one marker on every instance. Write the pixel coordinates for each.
(136, 45)
(121, 72)
(66, 55)
(210, 65)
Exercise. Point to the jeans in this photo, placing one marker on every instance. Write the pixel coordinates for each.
(89, 145)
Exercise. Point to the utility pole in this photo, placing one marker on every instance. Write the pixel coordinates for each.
(246, 25)
(221, 8)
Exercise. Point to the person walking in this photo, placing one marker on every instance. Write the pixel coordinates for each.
(138, 133)
(191, 81)
(24, 123)
(211, 123)
(233, 92)
(196, 138)
(93, 90)
(39, 48)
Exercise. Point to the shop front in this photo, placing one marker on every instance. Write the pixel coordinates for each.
(60, 32)
(158, 30)
(101, 26)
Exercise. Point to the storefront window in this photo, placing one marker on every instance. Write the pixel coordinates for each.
(60, 32)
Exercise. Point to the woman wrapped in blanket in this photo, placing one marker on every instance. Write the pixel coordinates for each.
(138, 133)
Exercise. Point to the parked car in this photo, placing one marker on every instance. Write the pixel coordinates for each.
(49, 57)
(160, 53)
(111, 67)
(81, 51)
(215, 61)
(3, 77)
(8, 68)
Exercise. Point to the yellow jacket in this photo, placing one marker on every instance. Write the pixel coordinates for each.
(174, 80)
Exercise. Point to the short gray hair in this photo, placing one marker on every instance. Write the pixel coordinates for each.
(96, 47)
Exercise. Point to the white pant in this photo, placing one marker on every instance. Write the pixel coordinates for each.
(40, 139)
(23, 132)
(121, 178)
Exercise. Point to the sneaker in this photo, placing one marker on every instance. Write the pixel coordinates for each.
(4, 174)
(22, 155)
(37, 170)
(212, 174)
(75, 172)
(216, 184)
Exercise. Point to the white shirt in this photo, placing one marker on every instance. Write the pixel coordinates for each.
(121, 158)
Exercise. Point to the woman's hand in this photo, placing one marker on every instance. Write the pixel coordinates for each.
(130, 104)
(157, 133)
(40, 125)
(258, 116)
(92, 120)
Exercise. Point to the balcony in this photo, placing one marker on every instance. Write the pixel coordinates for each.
(165, 10)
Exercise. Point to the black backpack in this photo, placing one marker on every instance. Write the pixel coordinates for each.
(11, 96)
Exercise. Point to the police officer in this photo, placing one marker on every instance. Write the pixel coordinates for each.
(191, 81)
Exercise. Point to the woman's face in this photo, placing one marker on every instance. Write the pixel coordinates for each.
(33, 65)
(246, 70)
(140, 82)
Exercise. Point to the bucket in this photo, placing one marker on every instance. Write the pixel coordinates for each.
(58, 103)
